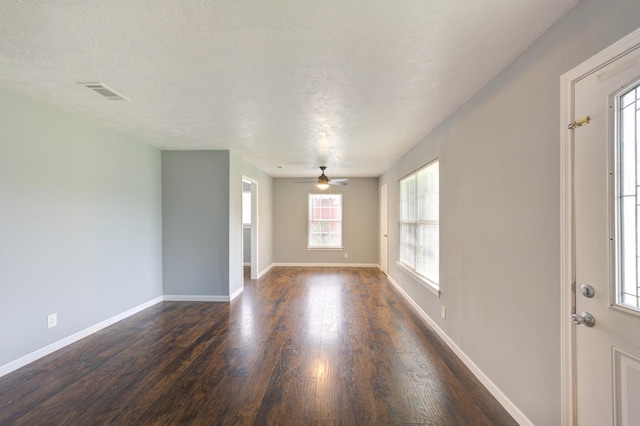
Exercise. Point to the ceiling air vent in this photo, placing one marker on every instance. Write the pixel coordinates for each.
(104, 91)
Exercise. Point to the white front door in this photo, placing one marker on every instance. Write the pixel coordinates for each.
(607, 243)
(383, 229)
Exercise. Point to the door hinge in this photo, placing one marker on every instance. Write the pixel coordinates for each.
(581, 122)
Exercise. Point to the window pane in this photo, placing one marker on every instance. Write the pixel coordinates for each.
(428, 260)
(407, 246)
(246, 208)
(628, 207)
(325, 220)
(408, 198)
(419, 222)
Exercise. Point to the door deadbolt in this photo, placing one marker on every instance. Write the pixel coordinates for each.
(587, 290)
(584, 318)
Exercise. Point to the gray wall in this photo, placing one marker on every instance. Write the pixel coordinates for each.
(246, 245)
(81, 224)
(500, 210)
(239, 168)
(195, 223)
(246, 232)
(360, 222)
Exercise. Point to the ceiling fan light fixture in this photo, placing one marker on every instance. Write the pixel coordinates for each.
(323, 180)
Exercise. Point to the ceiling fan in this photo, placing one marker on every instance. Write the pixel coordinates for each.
(323, 180)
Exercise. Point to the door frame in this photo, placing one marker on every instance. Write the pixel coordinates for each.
(384, 239)
(567, 214)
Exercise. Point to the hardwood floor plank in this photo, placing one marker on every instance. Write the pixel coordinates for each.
(313, 346)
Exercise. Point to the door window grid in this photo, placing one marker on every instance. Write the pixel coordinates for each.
(628, 199)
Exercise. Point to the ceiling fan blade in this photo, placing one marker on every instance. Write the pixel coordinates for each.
(338, 183)
(339, 180)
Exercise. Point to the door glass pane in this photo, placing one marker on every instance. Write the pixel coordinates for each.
(628, 202)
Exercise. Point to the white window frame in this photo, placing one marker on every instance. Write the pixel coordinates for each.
(310, 219)
(409, 216)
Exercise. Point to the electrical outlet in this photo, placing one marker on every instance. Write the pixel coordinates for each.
(443, 312)
(52, 320)
(346, 254)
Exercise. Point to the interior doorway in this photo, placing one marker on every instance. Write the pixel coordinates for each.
(250, 225)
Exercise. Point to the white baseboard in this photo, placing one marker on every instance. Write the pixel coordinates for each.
(194, 298)
(42, 352)
(236, 293)
(267, 269)
(246, 264)
(484, 379)
(333, 265)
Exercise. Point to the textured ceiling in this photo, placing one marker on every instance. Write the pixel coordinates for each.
(352, 84)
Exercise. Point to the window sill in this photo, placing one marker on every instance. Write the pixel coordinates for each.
(325, 248)
(429, 285)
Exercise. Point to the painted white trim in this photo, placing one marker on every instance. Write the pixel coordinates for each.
(567, 245)
(384, 228)
(42, 352)
(484, 379)
(423, 281)
(236, 293)
(336, 265)
(317, 248)
(567, 343)
(194, 298)
(267, 269)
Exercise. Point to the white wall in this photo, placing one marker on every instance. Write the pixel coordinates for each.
(500, 209)
(80, 230)
(360, 222)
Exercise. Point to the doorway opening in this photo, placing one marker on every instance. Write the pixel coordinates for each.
(249, 227)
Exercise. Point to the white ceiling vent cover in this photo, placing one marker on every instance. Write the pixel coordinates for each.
(104, 91)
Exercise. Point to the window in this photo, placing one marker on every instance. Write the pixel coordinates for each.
(246, 208)
(325, 221)
(419, 223)
(628, 200)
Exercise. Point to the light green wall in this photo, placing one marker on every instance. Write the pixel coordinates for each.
(80, 232)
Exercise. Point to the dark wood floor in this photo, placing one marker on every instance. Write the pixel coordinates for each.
(299, 346)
